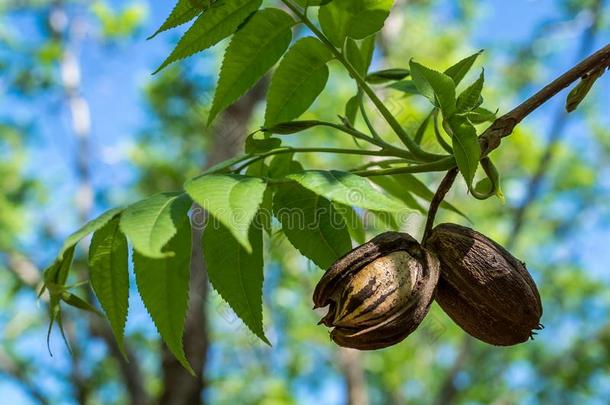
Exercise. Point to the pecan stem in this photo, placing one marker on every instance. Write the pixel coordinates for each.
(438, 198)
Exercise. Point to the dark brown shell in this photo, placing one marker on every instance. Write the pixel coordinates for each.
(483, 288)
(393, 325)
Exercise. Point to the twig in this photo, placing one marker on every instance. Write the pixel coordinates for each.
(449, 390)
(442, 190)
(504, 125)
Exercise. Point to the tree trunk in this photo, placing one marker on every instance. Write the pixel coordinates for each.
(351, 363)
(179, 387)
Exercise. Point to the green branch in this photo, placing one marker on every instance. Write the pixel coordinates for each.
(387, 115)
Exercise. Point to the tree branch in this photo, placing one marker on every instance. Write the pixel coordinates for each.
(504, 125)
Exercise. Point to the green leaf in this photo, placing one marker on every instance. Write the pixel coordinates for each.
(88, 228)
(149, 224)
(292, 127)
(481, 115)
(420, 189)
(438, 87)
(298, 81)
(56, 275)
(355, 19)
(465, 147)
(490, 185)
(110, 276)
(354, 56)
(163, 285)
(580, 91)
(348, 189)
(77, 302)
(236, 274)
(354, 223)
(312, 224)
(387, 75)
(312, 3)
(367, 49)
(394, 188)
(256, 144)
(182, 13)
(351, 110)
(225, 165)
(254, 49)
(470, 98)
(406, 86)
(460, 69)
(283, 165)
(212, 27)
(231, 199)
(385, 220)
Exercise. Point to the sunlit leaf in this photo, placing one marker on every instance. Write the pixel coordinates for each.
(237, 274)
(298, 81)
(163, 284)
(312, 224)
(254, 49)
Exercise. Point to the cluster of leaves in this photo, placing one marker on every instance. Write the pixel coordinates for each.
(315, 209)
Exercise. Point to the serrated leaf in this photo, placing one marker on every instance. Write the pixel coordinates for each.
(347, 188)
(212, 27)
(236, 274)
(163, 285)
(470, 98)
(298, 81)
(87, 229)
(312, 224)
(182, 13)
(398, 190)
(110, 277)
(254, 49)
(460, 69)
(419, 188)
(149, 224)
(355, 19)
(233, 200)
(438, 87)
(465, 147)
(354, 223)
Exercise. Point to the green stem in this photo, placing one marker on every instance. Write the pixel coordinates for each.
(438, 166)
(387, 115)
(375, 141)
(315, 150)
(365, 116)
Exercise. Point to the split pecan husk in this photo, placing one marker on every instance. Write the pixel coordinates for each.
(378, 293)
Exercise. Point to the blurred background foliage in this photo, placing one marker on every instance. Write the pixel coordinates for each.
(83, 127)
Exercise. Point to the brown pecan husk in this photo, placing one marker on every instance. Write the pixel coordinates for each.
(483, 288)
(378, 293)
